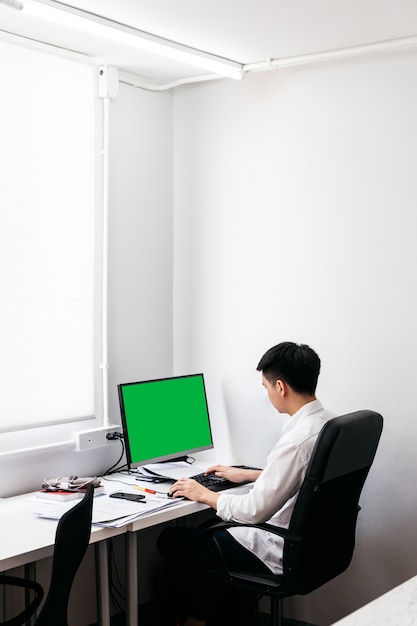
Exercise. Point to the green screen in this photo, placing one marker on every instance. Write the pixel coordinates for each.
(163, 419)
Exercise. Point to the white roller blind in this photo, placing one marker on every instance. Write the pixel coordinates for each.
(46, 238)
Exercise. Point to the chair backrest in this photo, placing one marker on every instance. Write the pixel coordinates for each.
(71, 542)
(327, 507)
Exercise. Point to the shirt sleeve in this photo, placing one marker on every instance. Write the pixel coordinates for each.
(279, 481)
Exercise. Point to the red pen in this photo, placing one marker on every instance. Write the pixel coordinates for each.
(144, 489)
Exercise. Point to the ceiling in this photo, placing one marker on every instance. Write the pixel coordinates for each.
(246, 31)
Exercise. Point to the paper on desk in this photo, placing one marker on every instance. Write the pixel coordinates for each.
(108, 512)
(174, 470)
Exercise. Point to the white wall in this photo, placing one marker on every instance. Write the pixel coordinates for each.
(140, 239)
(295, 195)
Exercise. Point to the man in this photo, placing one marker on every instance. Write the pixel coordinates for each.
(289, 374)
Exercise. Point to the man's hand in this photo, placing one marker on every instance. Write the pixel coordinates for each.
(192, 490)
(234, 474)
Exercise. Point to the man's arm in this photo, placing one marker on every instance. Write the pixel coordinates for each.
(234, 474)
(192, 490)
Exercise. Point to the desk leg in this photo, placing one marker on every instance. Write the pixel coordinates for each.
(30, 573)
(102, 584)
(131, 579)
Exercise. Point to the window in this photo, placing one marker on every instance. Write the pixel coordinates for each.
(48, 312)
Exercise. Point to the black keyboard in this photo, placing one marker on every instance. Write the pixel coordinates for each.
(216, 483)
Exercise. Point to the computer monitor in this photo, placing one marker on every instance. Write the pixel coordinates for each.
(164, 419)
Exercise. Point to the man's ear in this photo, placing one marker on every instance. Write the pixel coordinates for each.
(282, 387)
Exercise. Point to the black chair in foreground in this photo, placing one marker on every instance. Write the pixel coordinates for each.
(71, 542)
(320, 540)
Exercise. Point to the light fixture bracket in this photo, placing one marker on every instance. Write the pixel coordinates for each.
(108, 81)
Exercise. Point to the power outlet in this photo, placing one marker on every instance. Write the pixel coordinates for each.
(116, 428)
(87, 439)
(94, 438)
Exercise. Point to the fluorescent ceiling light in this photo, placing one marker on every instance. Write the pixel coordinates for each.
(71, 17)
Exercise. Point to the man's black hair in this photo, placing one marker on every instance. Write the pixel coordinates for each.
(296, 364)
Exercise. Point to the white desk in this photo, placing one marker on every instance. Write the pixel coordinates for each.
(28, 538)
(31, 538)
(398, 606)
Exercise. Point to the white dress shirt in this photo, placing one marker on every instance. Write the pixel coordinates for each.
(273, 495)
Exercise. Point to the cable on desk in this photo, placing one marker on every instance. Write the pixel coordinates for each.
(116, 480)
(114, 467)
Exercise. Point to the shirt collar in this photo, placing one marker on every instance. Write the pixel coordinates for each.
(305, 411)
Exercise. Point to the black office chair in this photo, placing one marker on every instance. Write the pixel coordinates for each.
(319, 543)
(71, 542)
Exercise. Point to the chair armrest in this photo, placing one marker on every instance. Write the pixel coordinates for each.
(253, 581)
(276, 530)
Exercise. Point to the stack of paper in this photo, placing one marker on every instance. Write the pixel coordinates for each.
(109, 512)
